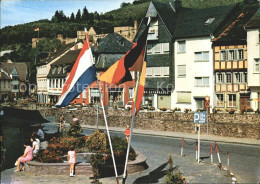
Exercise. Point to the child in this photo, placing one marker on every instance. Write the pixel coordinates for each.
(72, 160)
(35, 145)
(127, 133)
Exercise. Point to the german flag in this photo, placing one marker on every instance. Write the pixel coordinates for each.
(119, 72)
(140, 87)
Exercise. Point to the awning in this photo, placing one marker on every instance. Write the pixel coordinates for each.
(254, 99)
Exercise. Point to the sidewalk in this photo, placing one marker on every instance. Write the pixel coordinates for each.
(204, 137)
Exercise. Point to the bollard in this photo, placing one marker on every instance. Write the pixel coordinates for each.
(196, 149)
(211, 154)
(220, 165)
(228, 168)
(182, 147)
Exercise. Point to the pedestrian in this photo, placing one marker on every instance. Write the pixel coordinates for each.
(127, 133)
(74, 119)
(40, 132)
(61, 123)
(196, 127)
(72, 160)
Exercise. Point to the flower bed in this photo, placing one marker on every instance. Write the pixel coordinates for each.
(38, 168)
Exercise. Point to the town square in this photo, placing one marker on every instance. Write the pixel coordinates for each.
(130, 91)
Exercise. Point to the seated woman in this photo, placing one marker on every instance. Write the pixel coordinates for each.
(35, 145)
(27, 156)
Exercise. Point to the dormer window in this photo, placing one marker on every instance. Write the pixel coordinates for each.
(121, 42)
(59, 69)
(53, 70)
(209, 21)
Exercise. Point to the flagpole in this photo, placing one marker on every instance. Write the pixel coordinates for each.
(133, 115)
(105, 119)
(108, 134)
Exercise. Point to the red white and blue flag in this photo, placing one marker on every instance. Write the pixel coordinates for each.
(82, 74)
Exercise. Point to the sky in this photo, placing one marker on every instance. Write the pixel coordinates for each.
(15, 12)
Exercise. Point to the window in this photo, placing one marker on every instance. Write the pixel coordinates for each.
(84, 94)
(165, 71)
(220, 78)
(158, 48)
(53, 70)
(201, 81)
(53, 81)
(61, 84)
(59, 69)
(223, 55)
(231, 55)
(57, 83)
(238, 77)
(220, 100)
(131, 92)
(149, 71)
(201, 56)
(228, 78)
(240, 54)
(157, 71)
(181, 70)
(231, 100)
(184, 97)
(165, 48)
(181, 46)
(245, 77)
(209, 21)
(257, 66)
(93, 95)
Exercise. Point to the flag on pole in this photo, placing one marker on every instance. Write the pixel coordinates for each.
(119, 72)
(139, 91)
(82, 74)
(37, 29)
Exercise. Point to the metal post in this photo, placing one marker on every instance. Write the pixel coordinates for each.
(108, 134)
(199, 145)
(196, 149)
(97, 116)
(211, 154)
(228, 167)
(182, 147)
(220, 165)
(207, 120)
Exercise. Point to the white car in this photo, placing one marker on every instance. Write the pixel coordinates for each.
(128, 105)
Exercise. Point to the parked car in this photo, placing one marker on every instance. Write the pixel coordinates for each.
(128, 105)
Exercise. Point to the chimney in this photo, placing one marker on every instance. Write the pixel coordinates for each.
(175, 5)
(135, 25)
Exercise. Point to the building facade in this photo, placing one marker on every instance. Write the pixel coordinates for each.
(43, 69)
(5, 86)
(253, 47)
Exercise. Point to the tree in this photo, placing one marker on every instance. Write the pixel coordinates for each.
(85, 14)
(72, 17)
(78, 16)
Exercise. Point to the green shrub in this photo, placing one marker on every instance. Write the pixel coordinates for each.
(58, 147)
(173, 174)
(74, 130)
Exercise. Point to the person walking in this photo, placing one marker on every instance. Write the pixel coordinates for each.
(127, 133)
(61, 123)
(72, 160)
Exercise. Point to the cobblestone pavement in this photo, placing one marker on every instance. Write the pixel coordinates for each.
(156, 160)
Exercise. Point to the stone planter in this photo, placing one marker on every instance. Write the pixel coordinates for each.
(38, 168)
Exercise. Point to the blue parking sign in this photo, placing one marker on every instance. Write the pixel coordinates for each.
(200, 117)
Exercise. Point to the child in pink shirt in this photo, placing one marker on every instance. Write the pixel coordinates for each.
(72, 160)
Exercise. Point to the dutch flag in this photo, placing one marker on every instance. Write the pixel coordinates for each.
(82, 74)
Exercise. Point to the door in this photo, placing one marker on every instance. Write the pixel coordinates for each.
(244, 103)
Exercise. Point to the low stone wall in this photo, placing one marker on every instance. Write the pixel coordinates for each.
(38, 168)
(229, 125)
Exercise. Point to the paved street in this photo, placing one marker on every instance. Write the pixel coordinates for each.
(244, 161)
